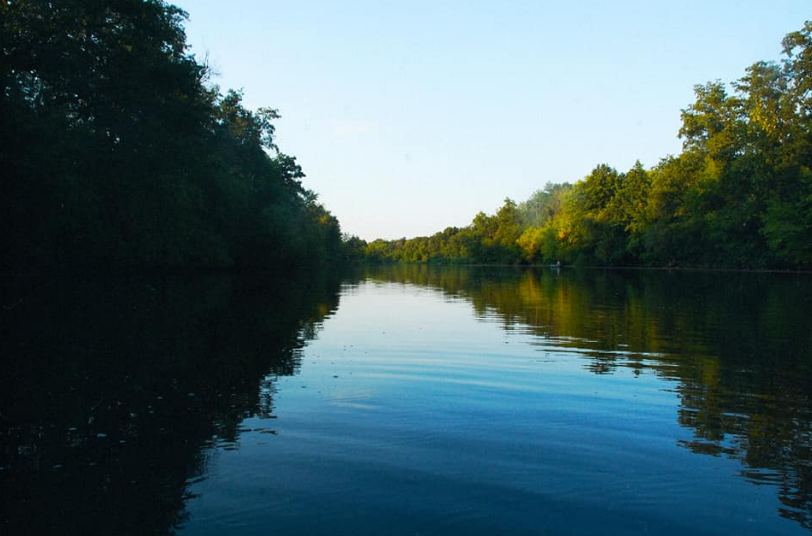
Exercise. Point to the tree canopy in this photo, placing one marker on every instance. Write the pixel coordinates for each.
(739, 194)
(116, 151)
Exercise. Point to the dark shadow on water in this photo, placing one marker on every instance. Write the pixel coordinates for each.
(114, 390)
(111, 390)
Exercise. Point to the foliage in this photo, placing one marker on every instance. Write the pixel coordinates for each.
(739, 194)
(116, 154)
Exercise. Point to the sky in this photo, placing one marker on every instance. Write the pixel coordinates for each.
(412, 116)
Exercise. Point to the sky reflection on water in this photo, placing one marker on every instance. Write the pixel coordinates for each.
(416, 410)
(411, 400)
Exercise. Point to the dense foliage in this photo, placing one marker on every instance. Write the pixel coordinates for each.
(116, 152)
(739, 195)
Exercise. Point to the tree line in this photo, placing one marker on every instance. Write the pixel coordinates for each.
(117, 152)
(739, 195)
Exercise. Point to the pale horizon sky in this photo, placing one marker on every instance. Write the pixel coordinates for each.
(409, 117)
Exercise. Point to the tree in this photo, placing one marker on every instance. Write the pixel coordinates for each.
(739, 194)
(543, 205)
(117, 155)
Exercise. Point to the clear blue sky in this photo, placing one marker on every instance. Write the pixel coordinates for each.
(412, 116)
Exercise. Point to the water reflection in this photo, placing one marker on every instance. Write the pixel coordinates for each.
(112, 390)
(115, 392)
(737, 347)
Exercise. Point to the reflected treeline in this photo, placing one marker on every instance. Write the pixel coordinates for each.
(111, 391)
(738, 347)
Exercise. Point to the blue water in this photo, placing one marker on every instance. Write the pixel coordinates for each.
(408, 400)
(414, 412)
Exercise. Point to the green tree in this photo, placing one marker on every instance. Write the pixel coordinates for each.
(116, 154)
(543, 205)
(739, 194)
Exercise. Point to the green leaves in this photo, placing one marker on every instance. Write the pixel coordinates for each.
(115, 155)
(739, 195)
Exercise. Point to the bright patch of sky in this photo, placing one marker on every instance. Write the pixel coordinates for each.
(409, 117)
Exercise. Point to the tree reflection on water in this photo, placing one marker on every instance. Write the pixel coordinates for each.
(737, 346)
(112, 389)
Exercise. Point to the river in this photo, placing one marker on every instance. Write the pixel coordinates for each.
(410, 400)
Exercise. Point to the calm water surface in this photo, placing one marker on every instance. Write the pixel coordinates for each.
(411, 400)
